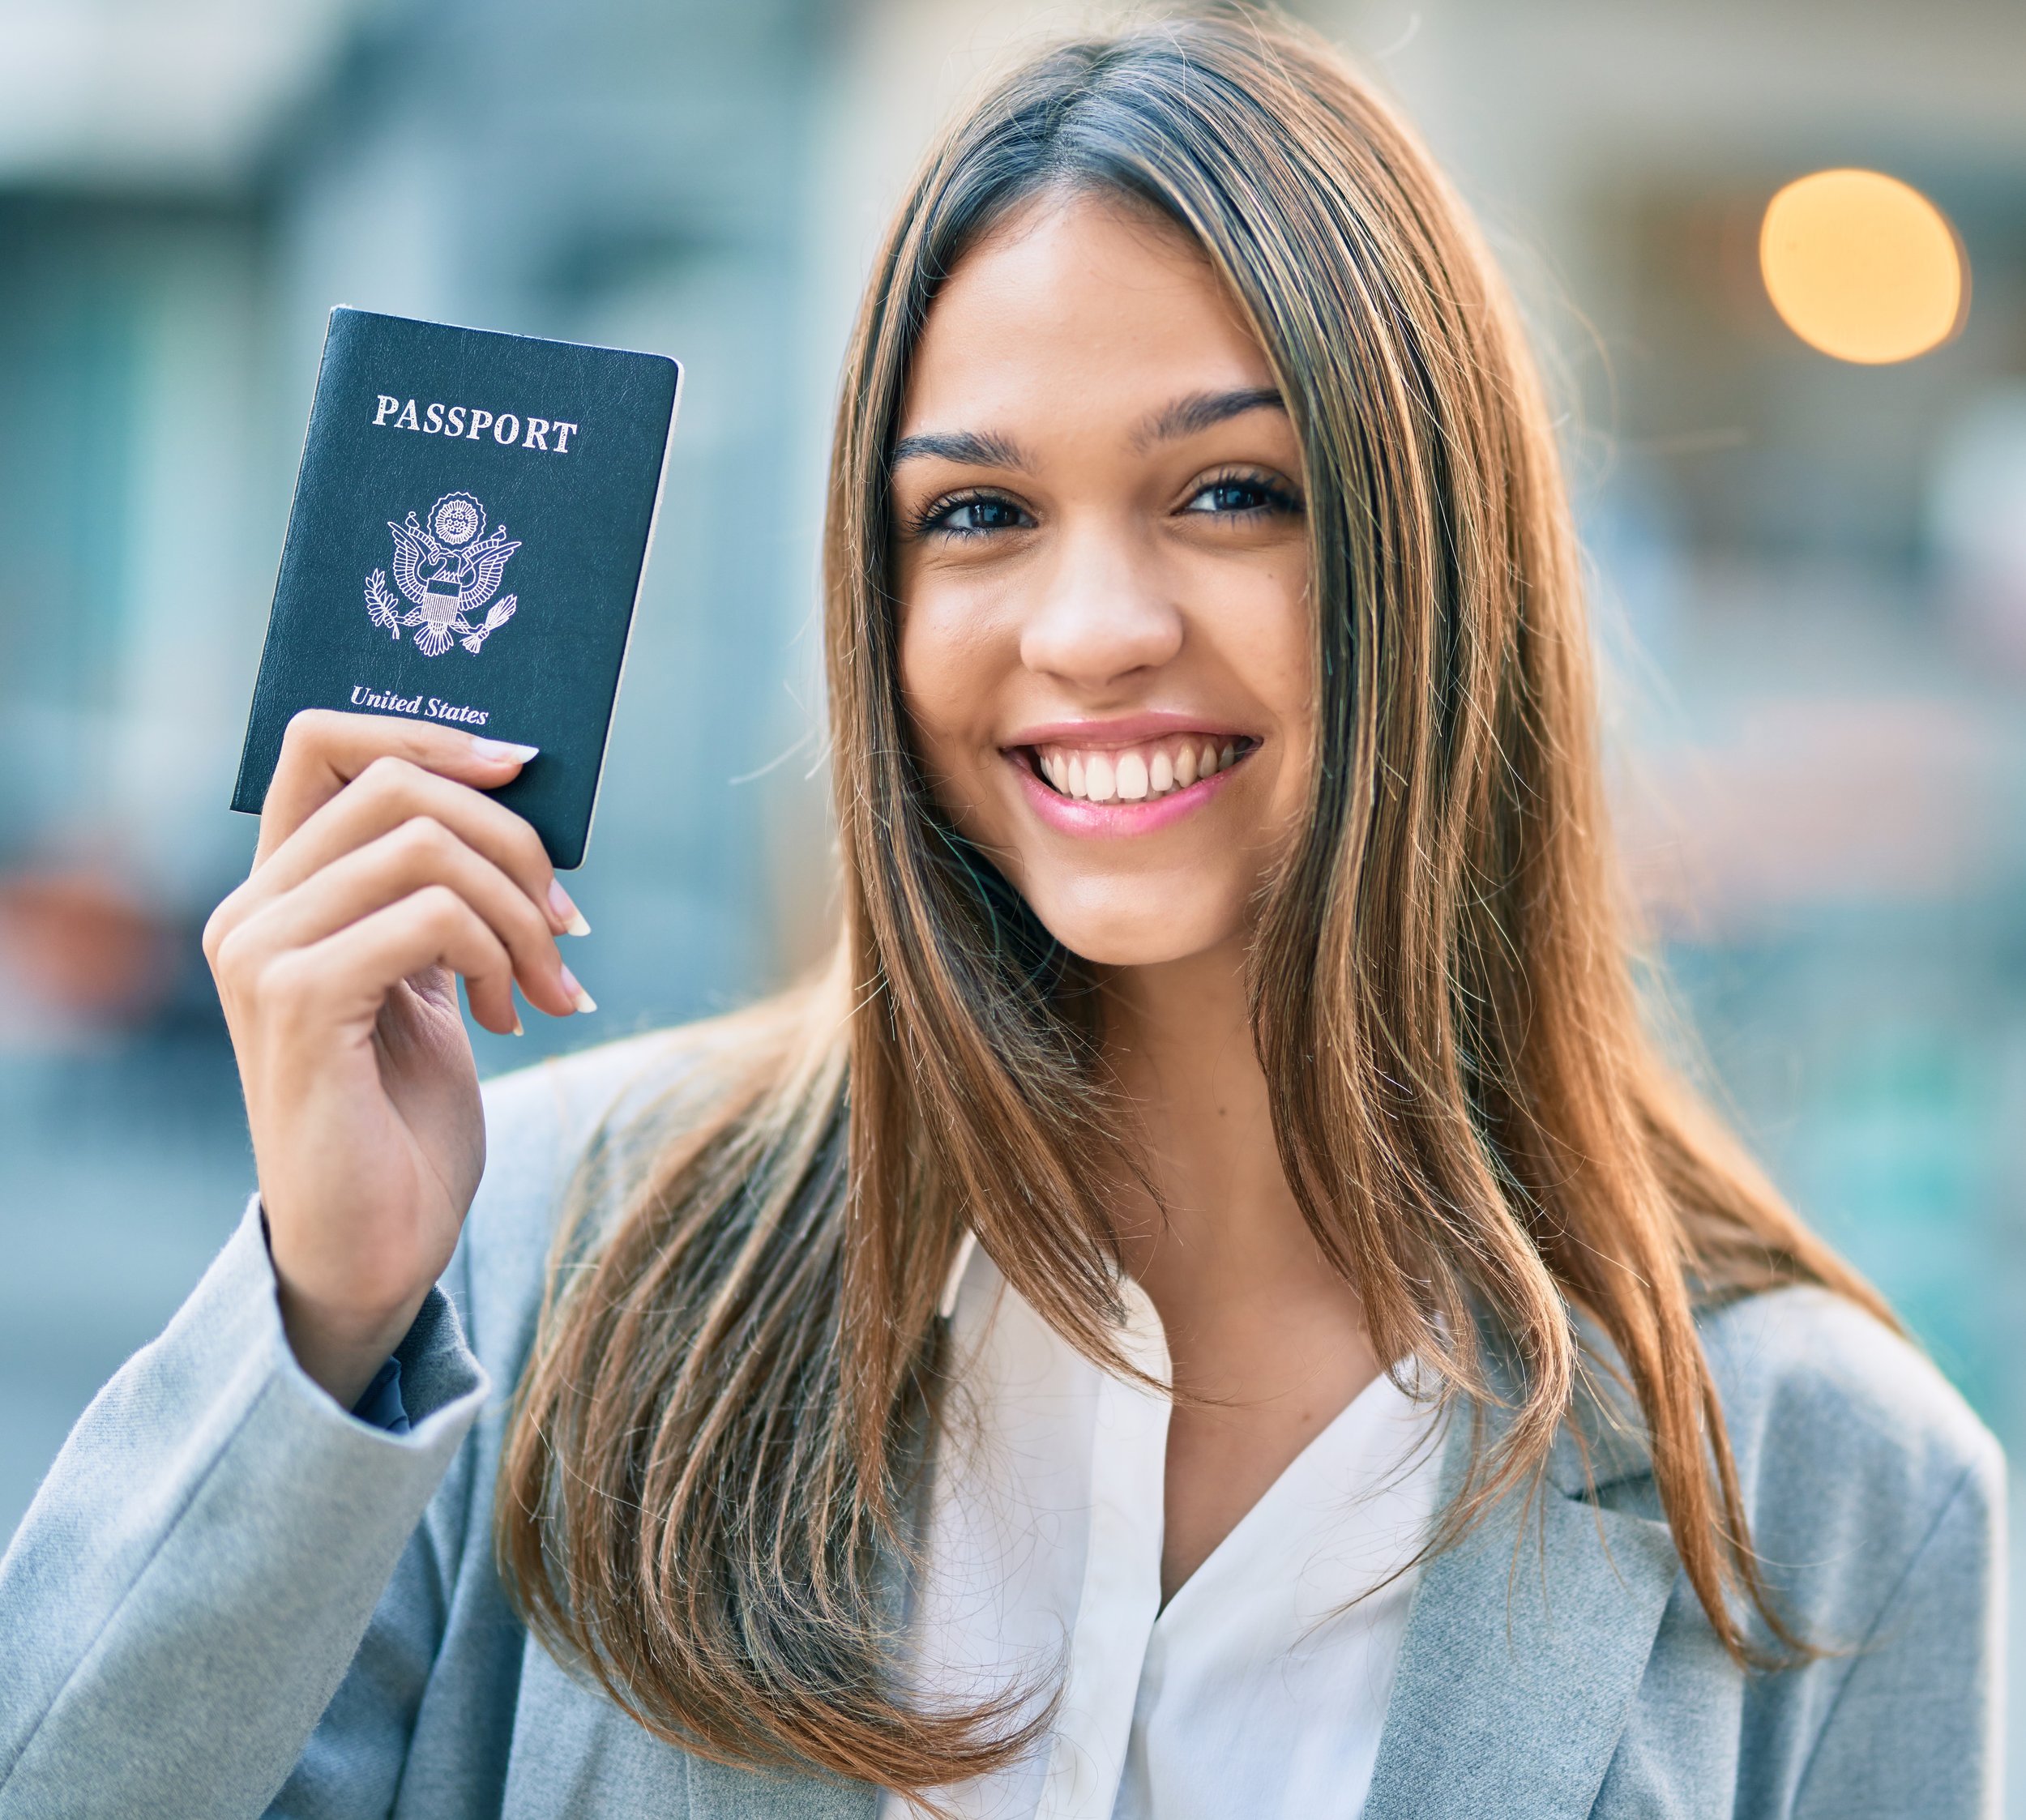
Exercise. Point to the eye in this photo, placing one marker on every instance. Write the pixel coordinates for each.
(969, 515)
(1240, 495)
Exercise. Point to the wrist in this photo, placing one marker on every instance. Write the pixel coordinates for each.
(340, 1350)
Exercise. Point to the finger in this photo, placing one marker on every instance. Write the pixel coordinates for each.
(419, 853)
(345, 979)
(324, 749)
(393, 790)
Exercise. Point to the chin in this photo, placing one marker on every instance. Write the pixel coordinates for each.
(1151, 931)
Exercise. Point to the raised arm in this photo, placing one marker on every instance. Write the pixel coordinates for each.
(197, 1571)
(382, 871)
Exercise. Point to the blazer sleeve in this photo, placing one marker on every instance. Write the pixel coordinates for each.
(1916, 1726)
(199, 1570)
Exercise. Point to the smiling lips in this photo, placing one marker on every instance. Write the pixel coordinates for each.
(1141, 773)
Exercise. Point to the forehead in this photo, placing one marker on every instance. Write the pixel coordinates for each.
(1082, 305)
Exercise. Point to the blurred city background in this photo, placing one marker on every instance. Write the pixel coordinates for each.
(1810, 570)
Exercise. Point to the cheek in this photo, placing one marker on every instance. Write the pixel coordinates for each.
(1269, 646)
(1295, 701)
(946, 678)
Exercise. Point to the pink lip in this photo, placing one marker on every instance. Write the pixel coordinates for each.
(1110, 820)
(1126, 730)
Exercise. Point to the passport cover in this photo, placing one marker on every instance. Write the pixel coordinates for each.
(471, 520)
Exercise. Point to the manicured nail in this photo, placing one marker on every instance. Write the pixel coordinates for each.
(497, 751)
(578, 996)
(566, 913)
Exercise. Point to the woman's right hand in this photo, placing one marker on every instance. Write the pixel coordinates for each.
(381, 872)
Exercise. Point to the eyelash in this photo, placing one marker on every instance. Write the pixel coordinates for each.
(1277, 496)
(934, 517)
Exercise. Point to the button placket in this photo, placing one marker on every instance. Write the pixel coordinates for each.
(1121, 1594)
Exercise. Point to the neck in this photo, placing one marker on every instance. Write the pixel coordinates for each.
(1266, 1342)
(1220, 1244)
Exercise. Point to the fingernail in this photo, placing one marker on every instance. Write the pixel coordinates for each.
(578, 996)
(518, 1031)
(566, 913)
(497, 751)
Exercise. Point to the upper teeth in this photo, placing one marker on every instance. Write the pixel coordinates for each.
(1135, 773)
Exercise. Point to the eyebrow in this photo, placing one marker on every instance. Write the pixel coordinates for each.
(1187, 417)
(1202, 411)
(972, 448)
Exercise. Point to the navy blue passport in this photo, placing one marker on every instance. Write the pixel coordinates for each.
(471, 520)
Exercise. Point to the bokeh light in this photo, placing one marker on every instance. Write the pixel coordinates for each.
(1862, 267)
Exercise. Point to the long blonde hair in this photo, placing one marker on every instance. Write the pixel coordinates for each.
(709, 1474)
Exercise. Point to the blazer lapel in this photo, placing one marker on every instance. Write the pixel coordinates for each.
(1527, 1640)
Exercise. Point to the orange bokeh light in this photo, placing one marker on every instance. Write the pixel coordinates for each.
(1862, 267)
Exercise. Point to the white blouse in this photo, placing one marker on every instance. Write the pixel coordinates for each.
(1260, 1689)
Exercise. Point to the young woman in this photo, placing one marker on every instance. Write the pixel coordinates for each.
(1212, 1306)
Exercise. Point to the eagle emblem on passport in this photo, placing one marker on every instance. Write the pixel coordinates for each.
(449, 569)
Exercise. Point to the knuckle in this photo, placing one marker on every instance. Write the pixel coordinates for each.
(423, 837)
(306, 727)
(218, 928)
(286, 985)
(385, 775)
(439, 906)
(228, 955)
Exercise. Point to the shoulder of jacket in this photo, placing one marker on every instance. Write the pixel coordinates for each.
(1824, 1401)
(558, 1104)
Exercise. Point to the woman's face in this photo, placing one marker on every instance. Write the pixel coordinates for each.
(1105, 648)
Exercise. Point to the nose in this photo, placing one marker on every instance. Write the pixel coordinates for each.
(1102, 616)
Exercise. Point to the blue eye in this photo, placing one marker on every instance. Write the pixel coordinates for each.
(1233, 495)
(972, 517)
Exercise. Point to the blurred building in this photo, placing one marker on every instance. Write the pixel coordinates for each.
(1811, 576)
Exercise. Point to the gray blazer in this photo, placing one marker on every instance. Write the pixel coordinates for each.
(231, 1598)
